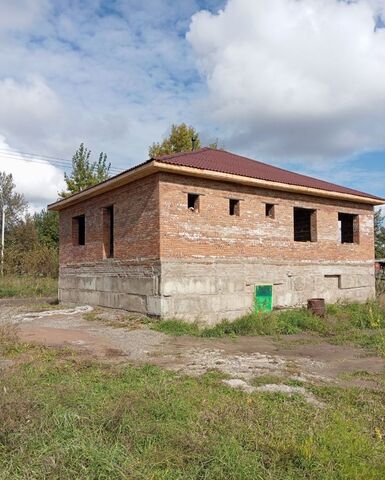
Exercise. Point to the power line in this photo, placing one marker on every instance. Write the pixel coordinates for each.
(42, 159)
(12, 156)
(34, 154)
(58, 163)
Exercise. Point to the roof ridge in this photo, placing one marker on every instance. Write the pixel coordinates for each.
(284, 170)
(301, 180)
(180, 154)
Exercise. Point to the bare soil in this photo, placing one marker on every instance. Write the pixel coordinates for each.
(304, 357)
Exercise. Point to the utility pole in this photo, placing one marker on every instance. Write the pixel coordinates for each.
(2, 234)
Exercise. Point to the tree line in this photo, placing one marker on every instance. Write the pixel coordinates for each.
(32, 240)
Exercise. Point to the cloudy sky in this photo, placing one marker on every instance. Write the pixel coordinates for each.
(297, 83)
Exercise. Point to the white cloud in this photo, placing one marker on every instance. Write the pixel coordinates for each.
(18, 14)
(287, 79)
(112, 74)
(294, 78)
(38, 182)
(27, 107)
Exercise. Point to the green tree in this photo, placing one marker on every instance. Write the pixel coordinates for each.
(22, 236)
(85, 173)
(379, 233)
(215, 145)
(25, 254)
(15, 202)
(182, 138)
(47, 227)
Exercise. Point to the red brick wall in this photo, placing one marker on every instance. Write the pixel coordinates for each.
(136, 223)
(213, 232)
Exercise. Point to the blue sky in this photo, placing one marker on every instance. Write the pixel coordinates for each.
(295, 83)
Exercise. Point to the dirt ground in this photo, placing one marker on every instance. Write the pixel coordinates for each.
(303, 357)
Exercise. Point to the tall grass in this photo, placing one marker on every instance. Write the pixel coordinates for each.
(279, 322)
(27, 286)
(283, 322)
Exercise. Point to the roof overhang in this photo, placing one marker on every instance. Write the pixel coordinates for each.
(153, 166)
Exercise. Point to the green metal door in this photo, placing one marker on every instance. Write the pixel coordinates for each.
(263, 298)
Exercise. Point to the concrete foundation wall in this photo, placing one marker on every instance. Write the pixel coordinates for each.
(208, 292)
(133, 287)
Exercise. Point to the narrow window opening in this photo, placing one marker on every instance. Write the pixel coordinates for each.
(79, 230)
(348, 228)
(234, 207)
(193, 202)
(270, 210)
(108, 231)
(305, 225)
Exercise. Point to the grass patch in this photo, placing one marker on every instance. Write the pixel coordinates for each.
(176, 327)
(10, 344)
(279, 322)
(357, 324)
(26, 286)
(63, 417)
(274, 323)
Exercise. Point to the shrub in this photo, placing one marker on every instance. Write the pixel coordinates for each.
(40, 260)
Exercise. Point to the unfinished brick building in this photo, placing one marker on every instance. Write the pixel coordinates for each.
(193, 235)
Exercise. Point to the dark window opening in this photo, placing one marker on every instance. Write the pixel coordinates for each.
(193, 202)
(234, 207)
(79, 230)
(108, 231)
(270, 210)
(305, 225)
(349, 228)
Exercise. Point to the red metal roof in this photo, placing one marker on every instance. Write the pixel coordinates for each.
(226, 162)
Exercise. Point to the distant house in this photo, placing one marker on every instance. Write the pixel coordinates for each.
(206, 235)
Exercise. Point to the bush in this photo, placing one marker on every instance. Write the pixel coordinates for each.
(40, 260)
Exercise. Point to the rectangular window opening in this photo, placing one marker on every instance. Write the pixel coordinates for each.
(305, 225)
(270, 210)
(348, 228)
(233, 207)
(108, 231)
(193, 202)
(79, 230)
